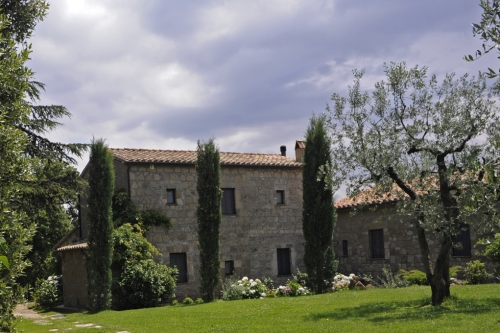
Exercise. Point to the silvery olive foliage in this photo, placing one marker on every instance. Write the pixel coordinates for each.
(410, 131)
(488, 31)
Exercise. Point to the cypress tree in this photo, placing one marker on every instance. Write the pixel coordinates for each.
(318, 215)
(209, 216)
(101, 188)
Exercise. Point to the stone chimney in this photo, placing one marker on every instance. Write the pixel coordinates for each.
(300, 146)
(283, 150)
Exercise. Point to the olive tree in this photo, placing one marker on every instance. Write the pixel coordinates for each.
(489, 31)
(426, 143)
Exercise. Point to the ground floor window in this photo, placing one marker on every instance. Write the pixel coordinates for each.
(179, 260)
(462, 243)
(284, 265)
(345, 249)
(377, 244)
(229, 267)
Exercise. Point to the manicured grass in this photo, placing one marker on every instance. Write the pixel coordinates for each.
(471, 309)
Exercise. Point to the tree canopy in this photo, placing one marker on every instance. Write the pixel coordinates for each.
(430, 145)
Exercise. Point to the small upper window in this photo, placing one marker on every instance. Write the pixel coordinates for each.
(280, 197)
(227, 203)
(171, 196)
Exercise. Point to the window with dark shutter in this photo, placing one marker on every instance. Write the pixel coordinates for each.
(170, 196)
(462, 243)
(284, 267)
(229, 267)
(179, 260)
(280, 197)
(345, 249)
(228, 207)
(377, 243)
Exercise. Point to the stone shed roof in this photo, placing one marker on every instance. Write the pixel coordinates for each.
(75, 246)
(131, 155)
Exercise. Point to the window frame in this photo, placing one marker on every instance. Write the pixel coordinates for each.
(284, 261)
(181, 258)
(345, 248)
(462, 237)
(377, 248)
(229, 267)
(280, 194)
(228, 208)
(172, 190)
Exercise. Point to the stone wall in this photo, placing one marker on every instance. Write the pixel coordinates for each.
(401, 246)
(74, 273)
(249, 238)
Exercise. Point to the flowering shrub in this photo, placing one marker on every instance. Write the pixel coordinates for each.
(341, 282)
(455, 282)
(249, 288)
(48, 293)
(245, 288)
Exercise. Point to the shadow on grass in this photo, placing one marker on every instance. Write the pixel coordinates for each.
(409, 310)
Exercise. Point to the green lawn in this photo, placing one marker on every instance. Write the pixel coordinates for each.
(471, 309)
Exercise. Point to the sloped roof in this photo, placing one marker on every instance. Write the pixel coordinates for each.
(131, 155)
(75, 246)
(366, 197)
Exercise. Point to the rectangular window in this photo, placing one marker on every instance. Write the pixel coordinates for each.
(229, 267)
(377, 244)
(345, 249)
(179, 260)
(228, 207)
(280, 197)
(171, 196)
(462, 244)
(284, 267)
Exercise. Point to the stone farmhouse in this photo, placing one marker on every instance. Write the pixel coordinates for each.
(261, 229)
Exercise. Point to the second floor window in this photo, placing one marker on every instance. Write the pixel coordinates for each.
(227, 204)
(280, 197)
(171, 196)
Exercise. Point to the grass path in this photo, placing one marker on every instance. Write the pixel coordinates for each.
(471, 309)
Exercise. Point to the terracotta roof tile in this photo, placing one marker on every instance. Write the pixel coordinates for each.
(367, 197)
(189, 157)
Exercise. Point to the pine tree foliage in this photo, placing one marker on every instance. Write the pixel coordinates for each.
(318, 215)
(209, 216)
(101, 180)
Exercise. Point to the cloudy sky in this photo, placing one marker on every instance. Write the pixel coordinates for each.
(162, 74)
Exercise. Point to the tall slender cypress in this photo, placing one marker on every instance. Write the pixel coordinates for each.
(318, 214)
(101, 178)
(209, 216)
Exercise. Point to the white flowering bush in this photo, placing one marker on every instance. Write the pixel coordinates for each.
(48, 293)
(341, 282)
(292, 288)
(244, 288)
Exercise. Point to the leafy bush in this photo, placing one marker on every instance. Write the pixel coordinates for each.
(415, 277)
(492, 251)
(143, 284)
(138, 280)
(268, 282)
(48, 293)
(244, 288)
(475, 272)
(301, 278)
(391, 280)
(199, 301)
(175, 302)
(454, 270)
(188, 301)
